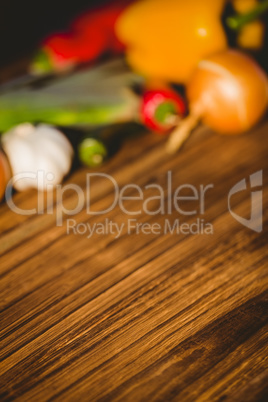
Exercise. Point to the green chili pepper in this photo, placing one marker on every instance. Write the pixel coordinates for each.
(99, 145)
(94, 147)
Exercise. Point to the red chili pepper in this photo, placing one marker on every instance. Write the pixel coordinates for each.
(64, 48)
(160, 109)
(91, 35)
(100, 22)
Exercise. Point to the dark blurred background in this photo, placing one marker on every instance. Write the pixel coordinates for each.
(24, 23)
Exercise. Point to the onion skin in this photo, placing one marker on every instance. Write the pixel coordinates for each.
(5, 174)
(230, 90)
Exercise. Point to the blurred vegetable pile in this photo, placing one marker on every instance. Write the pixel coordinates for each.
(168, 45)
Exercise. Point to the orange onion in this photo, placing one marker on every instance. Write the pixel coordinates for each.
(5, 174)
(228, 92)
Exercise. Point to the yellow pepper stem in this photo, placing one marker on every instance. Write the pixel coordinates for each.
(238, 21)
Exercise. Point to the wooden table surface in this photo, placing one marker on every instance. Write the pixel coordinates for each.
(141, 317)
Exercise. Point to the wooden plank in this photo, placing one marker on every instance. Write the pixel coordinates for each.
(140, 317)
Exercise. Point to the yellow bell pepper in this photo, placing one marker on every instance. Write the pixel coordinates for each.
(251, 36)
(242, 6)
(166, 39)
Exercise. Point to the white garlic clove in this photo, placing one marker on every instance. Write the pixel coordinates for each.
(34, 152)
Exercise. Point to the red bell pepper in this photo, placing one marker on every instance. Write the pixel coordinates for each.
(91, 35)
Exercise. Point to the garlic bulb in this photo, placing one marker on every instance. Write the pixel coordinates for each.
(39, 155)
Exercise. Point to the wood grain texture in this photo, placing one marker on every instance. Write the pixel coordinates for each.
(140, 317)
